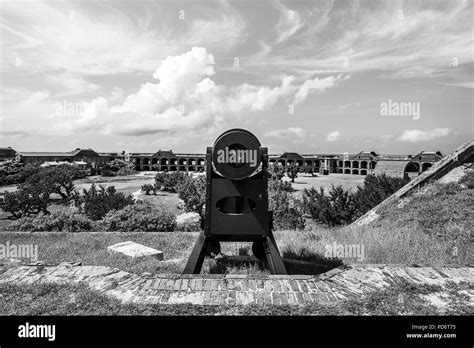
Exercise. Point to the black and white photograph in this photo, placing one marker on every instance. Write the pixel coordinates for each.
(289, 170)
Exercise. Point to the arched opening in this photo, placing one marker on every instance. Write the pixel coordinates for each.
(201, 161)
(347, 171)
(137, 161)
(282, 163)
(154, 160)
(363, 164)
(137, 168)
(290, 162)
(347, 164)
(411, 170)
(173, 168)
(363, 172)
(174, 161)
(164, 168)
(182, 168)
(372, 165)
(355, 171)
(308, 163)
(191, 169)
(164, 161)
(273, 161)
(182, 161)
(146, 161)
(299, 163)
(425, 166)
(341, 163)
(200, 169)
(146, 168)
(192, 161)
(355, 164)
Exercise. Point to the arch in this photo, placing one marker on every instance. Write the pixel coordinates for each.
(355, 171)
(347, 164)
(412, 167)
(273, 161)
(191, 161)
(164, 168)
(299, 163)
(347, 171)
(308, 163)
(163, 161)
(289, 162)
(173, 161)
(425, 166)
(373, 164)
(154, 160)
(282, 162)
(146, 161)
(138, 168)
(191, 169)
(355, 164)
(182, 168)
(137, 161)
(341, 163)
(173, 168)
(146, 168)
(363, 172)
(363, 164)
(200, 169)
(201, 161)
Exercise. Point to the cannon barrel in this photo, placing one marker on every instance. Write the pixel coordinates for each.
(236, 154)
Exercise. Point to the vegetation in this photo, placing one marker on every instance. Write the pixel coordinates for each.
(341, 207)
(97, 203)
(60, 221)
(147, 188)
(139, 217)
(13, 173)
(118, 167)
(292, 172)
(169, 181)
(192, 190)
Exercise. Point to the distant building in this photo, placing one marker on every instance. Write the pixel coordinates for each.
(7, 154)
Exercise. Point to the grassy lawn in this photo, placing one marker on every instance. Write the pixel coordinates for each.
(78, 299)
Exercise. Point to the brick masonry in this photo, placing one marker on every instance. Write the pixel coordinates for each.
(339, 284)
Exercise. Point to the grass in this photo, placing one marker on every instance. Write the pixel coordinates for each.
(78, 299)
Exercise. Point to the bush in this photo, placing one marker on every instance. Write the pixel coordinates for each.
(169, 181)
(375, 190)
(59, 221)
(336, 209)
(16, 173)
(148, 187)
(97, 203)
(139, 217)
(118, 167)
(287, 210)
(192, 190)
(292, 172)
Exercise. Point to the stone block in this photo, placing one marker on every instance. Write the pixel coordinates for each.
(133, 250)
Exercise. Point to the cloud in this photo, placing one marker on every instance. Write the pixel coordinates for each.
(416, 135)
(333, 136)
(292, 132)
(185, 98)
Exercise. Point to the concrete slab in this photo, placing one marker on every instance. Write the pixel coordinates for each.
(132, 249)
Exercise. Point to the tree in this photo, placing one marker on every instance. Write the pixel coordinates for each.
(148, 187)
(292, 172)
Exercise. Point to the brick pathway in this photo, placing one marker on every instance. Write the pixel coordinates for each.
(330, 287)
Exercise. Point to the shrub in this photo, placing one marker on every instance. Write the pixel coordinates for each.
(375, 190)
(275, 172)
(59, 221)
(118, 167)
(192, 190)
(169, 181)
(148, 187)
(338, 208)
(287, 211)
(139, 217)
(97, 203)
(16, 173)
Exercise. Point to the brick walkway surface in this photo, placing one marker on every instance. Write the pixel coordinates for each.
(338, 284)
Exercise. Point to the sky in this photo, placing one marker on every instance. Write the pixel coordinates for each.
(306, 76)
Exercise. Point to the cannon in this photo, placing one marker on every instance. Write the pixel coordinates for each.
(236, 207)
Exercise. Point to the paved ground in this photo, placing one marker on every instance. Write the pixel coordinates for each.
(336, 285)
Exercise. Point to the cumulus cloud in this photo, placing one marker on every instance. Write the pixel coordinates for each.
(416, 135)
(292, 132)
(186, 98)
(333, 136)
